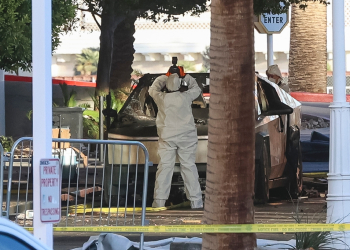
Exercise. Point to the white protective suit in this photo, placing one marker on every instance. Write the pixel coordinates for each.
(177, 136)
(274, 70)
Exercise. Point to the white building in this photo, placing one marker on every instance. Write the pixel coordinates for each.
(155, 44)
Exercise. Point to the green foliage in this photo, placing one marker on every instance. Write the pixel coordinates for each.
(313, 240)
(87, 61)
(188, 66)
(91, 117)
(68, 97)
(92, 114)
(6, 143)
(155, 10)
(206, 60)
(160, 10)
(29, 114)
(116, 101)
(16, 30)
(273, 6)
(90, 128)
(137, 72)
(84, 105)
(329, 67)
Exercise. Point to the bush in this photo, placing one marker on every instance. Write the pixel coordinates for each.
(6, 142)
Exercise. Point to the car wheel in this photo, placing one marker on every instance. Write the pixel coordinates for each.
(296, 177)
(262, 173)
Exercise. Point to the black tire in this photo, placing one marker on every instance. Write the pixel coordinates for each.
(296, 177)
(262, 174)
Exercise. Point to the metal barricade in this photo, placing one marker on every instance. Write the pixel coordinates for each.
(111, 192)
(2, 161)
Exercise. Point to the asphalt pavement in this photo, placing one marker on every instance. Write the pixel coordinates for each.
(319, 109)
(277, 211)
(315, 109)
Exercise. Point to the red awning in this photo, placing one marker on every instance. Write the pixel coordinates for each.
(13, 78)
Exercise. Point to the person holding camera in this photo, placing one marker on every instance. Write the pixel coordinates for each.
(177, 134)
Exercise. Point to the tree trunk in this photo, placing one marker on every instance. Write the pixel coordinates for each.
(230, 169)
(123, 54)
(105, 59)
(308, 49)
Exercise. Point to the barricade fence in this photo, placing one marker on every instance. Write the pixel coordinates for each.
(2, 161)
(108, 195)
(96, 191)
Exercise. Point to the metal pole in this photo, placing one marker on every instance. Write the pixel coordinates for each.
(338, 199)
(270, 60)
(2, 102)
(101, 127)
(42, 107)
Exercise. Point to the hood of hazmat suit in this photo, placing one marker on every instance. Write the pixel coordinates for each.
(173, 82)
(174, 116)
(274, 70)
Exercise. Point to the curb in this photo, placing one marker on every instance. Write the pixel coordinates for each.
(314, 97)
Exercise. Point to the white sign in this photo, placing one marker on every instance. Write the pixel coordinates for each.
(268, 23)
(50, 190)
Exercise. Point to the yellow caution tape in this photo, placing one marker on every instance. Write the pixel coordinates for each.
(81, 209)
(21, 191)
(233, 228)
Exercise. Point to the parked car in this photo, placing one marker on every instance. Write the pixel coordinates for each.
(13, 237)
(277, 148)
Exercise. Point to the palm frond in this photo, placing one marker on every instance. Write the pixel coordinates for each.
(72, 101)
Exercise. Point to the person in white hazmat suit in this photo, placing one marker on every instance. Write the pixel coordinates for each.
(177, 137)
(274, 75)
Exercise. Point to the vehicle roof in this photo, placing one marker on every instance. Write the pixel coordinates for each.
(8, 227)
(148, 79)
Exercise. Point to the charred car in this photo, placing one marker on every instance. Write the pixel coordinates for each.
(277, 148)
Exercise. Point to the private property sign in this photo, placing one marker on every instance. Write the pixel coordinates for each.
(268, 23)
(50, 190)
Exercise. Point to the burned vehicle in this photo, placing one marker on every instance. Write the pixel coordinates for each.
(277, 147)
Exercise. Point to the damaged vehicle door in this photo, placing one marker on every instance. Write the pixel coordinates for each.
(277, 134)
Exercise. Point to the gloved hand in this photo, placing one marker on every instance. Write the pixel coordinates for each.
(183, 88)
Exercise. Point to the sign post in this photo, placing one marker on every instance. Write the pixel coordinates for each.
(338, 198)
(270, 59)
(270, 24)
(50, 191)
(42, 107)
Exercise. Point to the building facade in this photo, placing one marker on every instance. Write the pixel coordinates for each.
(155, 44)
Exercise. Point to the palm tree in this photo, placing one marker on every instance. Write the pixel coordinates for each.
(87, 61)
(308, 48)
(230, 169)
(188, 66)
(123, 55)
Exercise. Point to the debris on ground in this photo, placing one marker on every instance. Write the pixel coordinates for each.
(313, 123)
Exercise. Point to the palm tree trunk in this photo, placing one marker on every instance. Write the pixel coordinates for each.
(123, 54)
(105, 59)
(308, 49)
(230, 170)
(109, 22)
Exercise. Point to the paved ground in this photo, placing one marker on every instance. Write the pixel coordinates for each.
(280, 211)
(319, 109)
